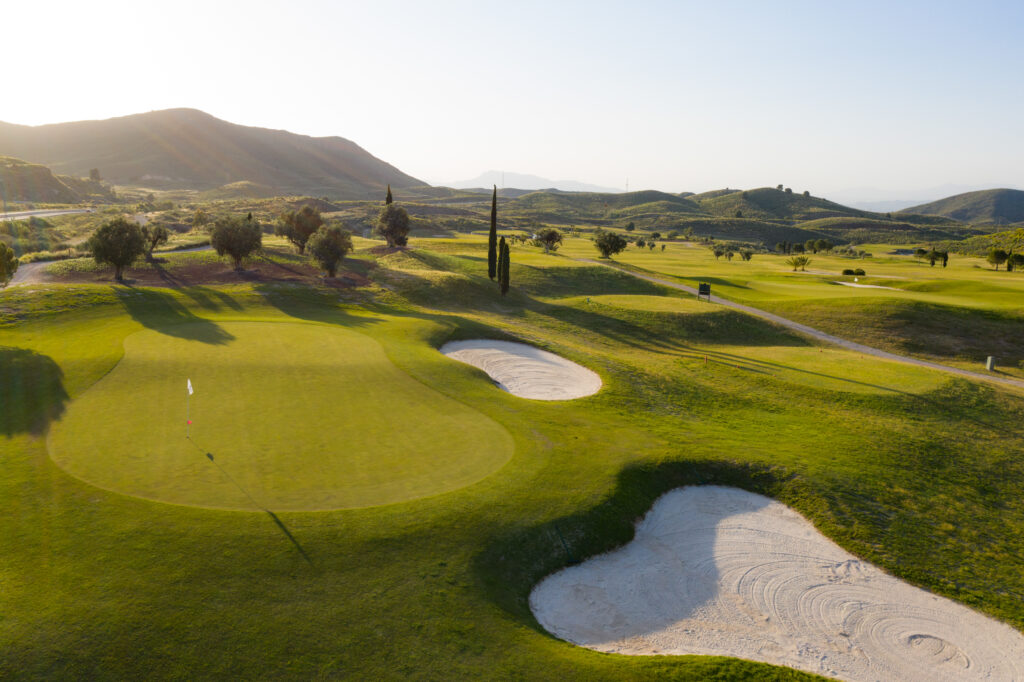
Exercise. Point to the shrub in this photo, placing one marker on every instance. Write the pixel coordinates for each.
(849, 272)
(859, 272)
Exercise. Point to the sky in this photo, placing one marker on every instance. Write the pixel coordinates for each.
(882, 99)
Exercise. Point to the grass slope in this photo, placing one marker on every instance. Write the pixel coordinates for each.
(916, 472)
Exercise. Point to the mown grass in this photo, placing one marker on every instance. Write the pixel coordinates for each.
(920, 474)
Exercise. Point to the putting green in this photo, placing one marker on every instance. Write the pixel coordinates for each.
(285, 416)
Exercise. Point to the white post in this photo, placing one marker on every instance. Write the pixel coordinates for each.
(188, 416)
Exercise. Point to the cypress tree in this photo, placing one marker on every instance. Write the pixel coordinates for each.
(492, 237)
(388, 199)
(503, 267)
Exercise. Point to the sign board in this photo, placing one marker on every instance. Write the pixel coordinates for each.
(704, 289)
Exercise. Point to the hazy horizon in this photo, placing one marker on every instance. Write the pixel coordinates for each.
(874, 100)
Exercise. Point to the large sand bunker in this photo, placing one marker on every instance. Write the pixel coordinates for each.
(526, 371)
(721, 571)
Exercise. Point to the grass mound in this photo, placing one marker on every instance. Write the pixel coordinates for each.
(286, 417)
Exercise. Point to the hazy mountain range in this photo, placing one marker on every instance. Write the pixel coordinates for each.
(529, 182)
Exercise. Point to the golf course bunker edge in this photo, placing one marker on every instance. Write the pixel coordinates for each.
(285, 416)
(721, 571)
(525, 371)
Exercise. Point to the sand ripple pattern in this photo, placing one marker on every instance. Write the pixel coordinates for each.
(721, 571)
(526, 371)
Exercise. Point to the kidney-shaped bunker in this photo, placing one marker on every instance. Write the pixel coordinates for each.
(526, 371)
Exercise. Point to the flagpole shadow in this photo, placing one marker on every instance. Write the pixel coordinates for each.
(272, 515)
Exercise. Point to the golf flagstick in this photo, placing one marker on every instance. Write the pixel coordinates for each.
(188, 410)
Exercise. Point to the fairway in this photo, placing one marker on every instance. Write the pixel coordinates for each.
(285, 417)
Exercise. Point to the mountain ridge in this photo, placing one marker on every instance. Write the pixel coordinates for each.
(190, 149)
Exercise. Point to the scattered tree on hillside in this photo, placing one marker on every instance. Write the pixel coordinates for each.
(920, 254)
(504, 262)
(823, 245)
(155, 235)
(746, 254)
(393, 225)
(811, 245)
(655, 235)
(237, 237)
(997, 257)
(609, 243)
(492, 237)
(94, 174)
(298, 226)
(729, 254)
(789, 190)
(778, 187)
(739, 214)
(719, 251)
(8, 264)
(550, 238)
(387, 199)
(662, 247)
(807, 193)
(200, 219)
(796, 248)
(640, 242)
(944, 255)
(630, 227)
(328, 246)
(117, 243)
(780, 247)
(798, 262)
(1018, 260)
(651, 245)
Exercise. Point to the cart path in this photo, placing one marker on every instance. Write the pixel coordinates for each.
(818, 334)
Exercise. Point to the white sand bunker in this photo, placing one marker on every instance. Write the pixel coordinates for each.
(720, 571)
(526, 371)
(865, 286)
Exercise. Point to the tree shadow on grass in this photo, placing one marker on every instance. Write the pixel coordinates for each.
(32, 391)
(315, 305)
(163, 313)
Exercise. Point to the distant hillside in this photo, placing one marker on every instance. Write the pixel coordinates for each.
(1009, 240)
(23, 181)
(998, 206)
(864, 230)
(185, 148)
(774, 204)
(595, 205)
(526, 182)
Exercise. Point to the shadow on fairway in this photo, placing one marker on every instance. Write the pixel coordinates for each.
(278, 522)
(32, 391)
(162, 312)
(305, 303)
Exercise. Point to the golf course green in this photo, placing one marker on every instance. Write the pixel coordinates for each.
(285, 416)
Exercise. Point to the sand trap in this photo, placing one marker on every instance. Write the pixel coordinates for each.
(526, 371)
(865, 286)
(721, 571)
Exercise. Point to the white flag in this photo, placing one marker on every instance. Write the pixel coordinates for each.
(189, 386)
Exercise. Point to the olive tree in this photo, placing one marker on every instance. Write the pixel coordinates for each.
(8, 264)
(236, 237)
(298, 226)
(550, 239)
(328, 246)
(393, 225)
(609, 243)
(155, 235)
(997, 257)
(117, 243)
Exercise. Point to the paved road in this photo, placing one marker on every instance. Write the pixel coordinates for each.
(46, 213)
(817, 334)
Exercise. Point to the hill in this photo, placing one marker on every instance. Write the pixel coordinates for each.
(865, 230)
(189, 149)
(998, 206)
(767, 203)
(595, 207)
(23, 181)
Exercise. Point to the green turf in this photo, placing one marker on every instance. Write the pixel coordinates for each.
(285, 417)
(919, 473)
